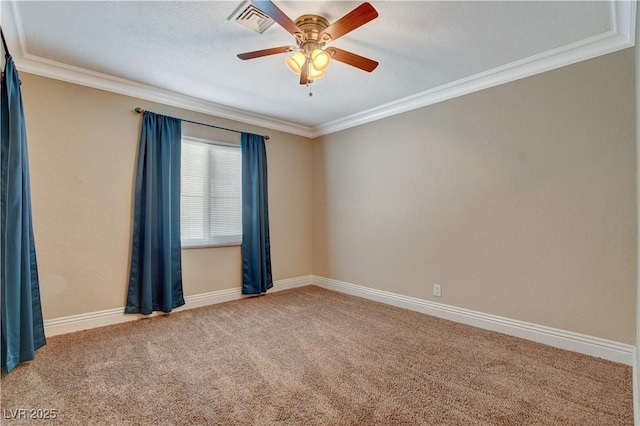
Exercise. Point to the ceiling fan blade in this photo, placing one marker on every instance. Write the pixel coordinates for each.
(277, 15)
(352, 59)
(265, 52)
(304, 72)
(349, 22)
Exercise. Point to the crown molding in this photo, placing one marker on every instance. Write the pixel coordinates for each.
(621, 36)
(59, 71)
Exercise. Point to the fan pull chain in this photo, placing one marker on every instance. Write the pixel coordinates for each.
(310, 92)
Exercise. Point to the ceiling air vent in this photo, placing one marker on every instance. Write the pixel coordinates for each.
(251, 17)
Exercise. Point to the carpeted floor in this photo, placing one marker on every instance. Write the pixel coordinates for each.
(311, 356)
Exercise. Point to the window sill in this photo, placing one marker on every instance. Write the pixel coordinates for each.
(211, 246)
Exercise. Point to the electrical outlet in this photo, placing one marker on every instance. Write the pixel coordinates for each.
(437, 290)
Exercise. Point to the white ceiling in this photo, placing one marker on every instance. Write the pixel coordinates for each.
(184, 53)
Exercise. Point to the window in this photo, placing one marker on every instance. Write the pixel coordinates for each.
(211, 194)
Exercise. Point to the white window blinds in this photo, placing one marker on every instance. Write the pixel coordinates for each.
(211, 194)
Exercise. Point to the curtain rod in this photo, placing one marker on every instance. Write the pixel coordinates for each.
(140, 111)
(4, 42)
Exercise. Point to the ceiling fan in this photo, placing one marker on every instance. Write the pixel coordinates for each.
(312, 32)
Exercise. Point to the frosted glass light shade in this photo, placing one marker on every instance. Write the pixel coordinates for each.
(321, 59)
(295, 62)
(314, 74)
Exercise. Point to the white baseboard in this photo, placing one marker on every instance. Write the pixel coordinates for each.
(581, 343)
(576, 342)
(90, 320)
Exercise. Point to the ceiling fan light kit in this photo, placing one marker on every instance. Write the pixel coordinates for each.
(310, 45)
(317, 61)
(312, 33)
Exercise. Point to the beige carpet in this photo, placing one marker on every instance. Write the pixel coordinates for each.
(311, 356)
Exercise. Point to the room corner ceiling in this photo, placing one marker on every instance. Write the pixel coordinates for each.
(184, 53)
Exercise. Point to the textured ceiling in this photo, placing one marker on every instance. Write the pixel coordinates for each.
(190, 48)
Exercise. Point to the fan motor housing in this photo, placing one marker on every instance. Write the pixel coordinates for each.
(312, 26)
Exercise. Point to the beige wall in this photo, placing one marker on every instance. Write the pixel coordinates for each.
(82, 151)
(520, 200)
(636, 391)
